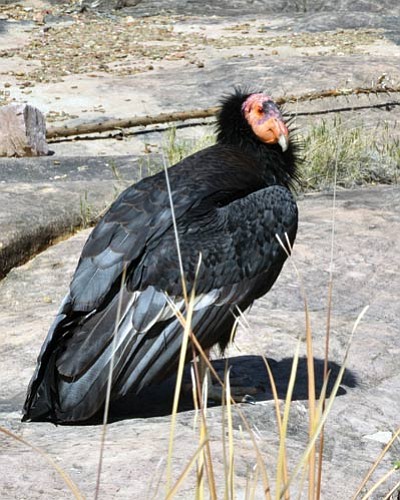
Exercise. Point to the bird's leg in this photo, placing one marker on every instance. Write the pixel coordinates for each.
(217, 393)
(240, 393)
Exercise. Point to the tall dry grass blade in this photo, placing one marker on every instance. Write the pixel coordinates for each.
(328, 321)
(395, 489)
(179, 377)
(60, 471)
(224, 433)
(311, 402)
(376, 463)
(178, 247)
(384, 478)
(278, 419)
(108, 391)
(202, 436)
(280, 484)
(319, 412)
(207, 450)
(310, 369)
(194, 395)
(231, 449)
(200, 390)
(331, 400)
(327, 342)
(171, 492)
(209, 466)
(185, 337)
(321, 402)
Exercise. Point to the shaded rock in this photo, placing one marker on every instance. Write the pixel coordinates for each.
(44, 200)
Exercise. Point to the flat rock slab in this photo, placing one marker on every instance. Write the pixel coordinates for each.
(181, 55)
(43, 200)
(366, 412)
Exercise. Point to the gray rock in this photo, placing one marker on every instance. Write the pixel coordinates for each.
(48, 199)
(364, 415)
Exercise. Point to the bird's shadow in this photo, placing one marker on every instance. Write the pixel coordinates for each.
(246, 371)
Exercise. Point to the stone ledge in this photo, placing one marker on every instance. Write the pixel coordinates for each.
(44, 199)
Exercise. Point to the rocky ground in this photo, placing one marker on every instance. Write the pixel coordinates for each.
(170, 56)
(364, 415)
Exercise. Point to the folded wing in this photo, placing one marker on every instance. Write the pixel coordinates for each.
(241, 259)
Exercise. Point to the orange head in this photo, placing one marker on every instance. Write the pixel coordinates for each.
(265, 119)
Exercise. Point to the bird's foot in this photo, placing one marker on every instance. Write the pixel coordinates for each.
(241, 394)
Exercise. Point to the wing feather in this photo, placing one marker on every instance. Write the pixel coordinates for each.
(241, 259)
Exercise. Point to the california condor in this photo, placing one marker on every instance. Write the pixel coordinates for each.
(231, 200)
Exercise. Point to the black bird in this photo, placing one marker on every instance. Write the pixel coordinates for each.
(230, 202)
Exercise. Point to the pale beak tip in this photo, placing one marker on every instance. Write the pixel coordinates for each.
(283, 142)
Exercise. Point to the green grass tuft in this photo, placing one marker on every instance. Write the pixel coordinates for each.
(176, 149)
(363, 155)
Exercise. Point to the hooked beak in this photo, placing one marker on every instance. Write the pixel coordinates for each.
(277, 133)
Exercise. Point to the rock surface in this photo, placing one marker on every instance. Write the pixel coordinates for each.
(364, 415)
(163, 56)
(173, 56)
(46, 200)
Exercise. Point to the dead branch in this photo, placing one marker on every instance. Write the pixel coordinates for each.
(387, 105)
(137, 121)
(312, 96)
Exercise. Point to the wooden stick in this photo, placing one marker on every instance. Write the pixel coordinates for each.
(136, 121)
(116, 124)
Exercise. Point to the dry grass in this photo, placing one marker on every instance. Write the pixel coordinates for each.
(365, 155)
(175, 149)
(356, 155)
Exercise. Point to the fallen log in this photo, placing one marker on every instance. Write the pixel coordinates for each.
(137, 121)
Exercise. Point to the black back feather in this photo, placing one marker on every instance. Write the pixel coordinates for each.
(230, 201)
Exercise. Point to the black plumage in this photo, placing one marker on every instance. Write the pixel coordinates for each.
(230, 202)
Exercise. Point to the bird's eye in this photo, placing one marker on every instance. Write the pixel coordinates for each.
(259, 109)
